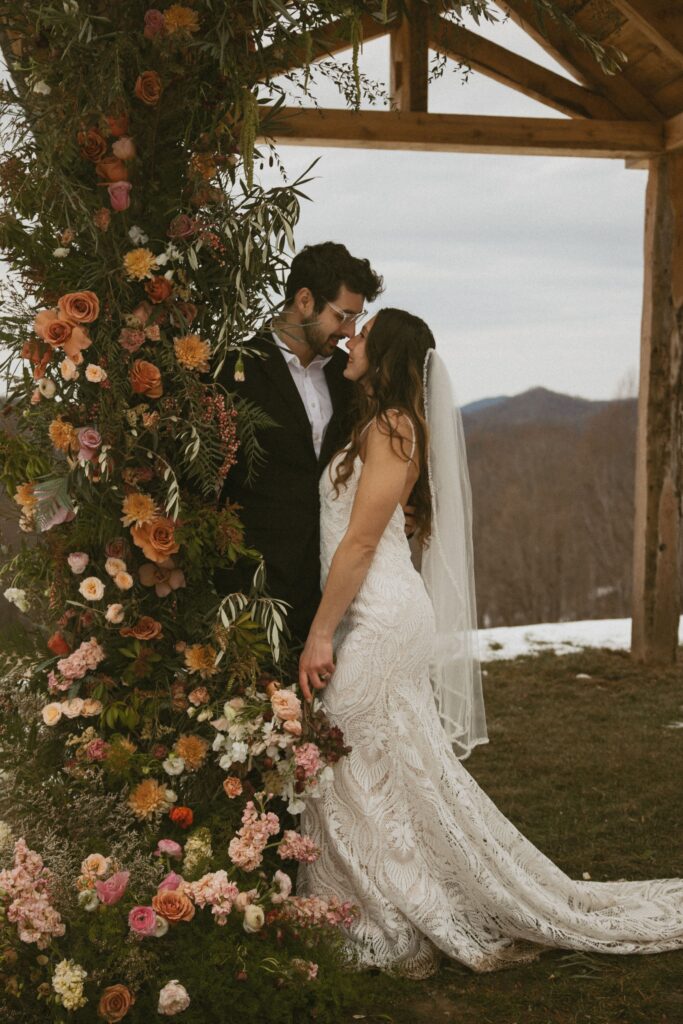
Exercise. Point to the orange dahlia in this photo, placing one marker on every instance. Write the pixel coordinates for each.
(193, 750)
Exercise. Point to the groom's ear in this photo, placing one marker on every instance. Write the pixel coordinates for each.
(304, 302)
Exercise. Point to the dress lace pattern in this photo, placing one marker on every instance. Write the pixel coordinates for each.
(407, 834)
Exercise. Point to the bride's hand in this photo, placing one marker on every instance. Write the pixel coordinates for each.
(316, 664)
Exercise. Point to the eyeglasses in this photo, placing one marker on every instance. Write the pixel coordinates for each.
(348, 318)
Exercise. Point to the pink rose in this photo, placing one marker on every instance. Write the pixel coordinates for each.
(142, 921)
(170, 882)
(96, 750)
(154, 24)
(181, 226)
(131, 339)
(119, 195)
(169, 848)
(286, 705)
(124, 148)
(89, 440)
(111, 891)
(78, 561)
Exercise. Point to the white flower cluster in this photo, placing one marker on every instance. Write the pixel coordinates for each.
(173, 998)
(67, 981)
(17, 597)
(239, 735)
(197, 850)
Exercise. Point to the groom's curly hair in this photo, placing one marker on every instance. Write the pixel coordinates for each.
(325, 268)
(396, 349)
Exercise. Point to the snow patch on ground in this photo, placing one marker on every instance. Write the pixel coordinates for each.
(504, 642)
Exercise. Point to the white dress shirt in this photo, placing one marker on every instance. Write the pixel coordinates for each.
(311, 384)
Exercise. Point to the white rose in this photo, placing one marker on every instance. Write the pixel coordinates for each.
(68, 370)
(95, 373)
(173, 998)
(161, 927)
(61, 253)
(171, 796)
(88, 900)
(42, 88)
(114, 613)
(72, 708)
(47, 387)
(52, 713)
(173, 765)
(254, 918)
(296, 806)
(17, 597)
(92, 589)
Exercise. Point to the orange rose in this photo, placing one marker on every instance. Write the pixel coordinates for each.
(173, 905)
(182, 816)
(60, 333)
(148, 88)
(112, 169)
(145, 379)
(114, 1004)
(146, 628)
(79, 307)
(158, 288)
(117, 124)
(156, 538)
(93, 146)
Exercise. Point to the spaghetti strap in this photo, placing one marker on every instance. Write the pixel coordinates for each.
(412, 429)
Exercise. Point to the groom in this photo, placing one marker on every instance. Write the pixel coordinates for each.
(298, 381)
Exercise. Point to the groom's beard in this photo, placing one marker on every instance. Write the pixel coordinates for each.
(319, 341)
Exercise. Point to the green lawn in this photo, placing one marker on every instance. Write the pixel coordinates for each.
(590, 773)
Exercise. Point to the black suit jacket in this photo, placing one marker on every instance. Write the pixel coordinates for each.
(281, 506)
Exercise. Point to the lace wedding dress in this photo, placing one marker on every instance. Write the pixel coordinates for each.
(406, 833)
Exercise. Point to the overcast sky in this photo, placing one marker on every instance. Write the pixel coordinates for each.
(528, 269)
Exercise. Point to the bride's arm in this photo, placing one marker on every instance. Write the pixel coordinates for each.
(381, 486)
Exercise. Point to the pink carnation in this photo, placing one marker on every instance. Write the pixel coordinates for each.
(169, 848)
(97, 750)
(215, 890)
(246, 848)
(111, 891)
(295, 847)
(307, 758)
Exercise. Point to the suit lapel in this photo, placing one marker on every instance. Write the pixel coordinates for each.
(276, 370)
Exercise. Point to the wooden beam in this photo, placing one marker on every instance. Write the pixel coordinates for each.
(660, 20)
(463, 133)
(659, 461)
(578, 61)
(326, 42)
(673, 133)
(518, 73)
(409, 58)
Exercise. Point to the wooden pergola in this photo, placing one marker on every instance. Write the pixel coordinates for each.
(635, 115)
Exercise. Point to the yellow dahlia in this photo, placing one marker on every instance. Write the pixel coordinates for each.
(192, 353)
(181, 19)
(25, 496)
(193, 750)
(200, 658)
(139, 264)
(138, 509)
(147, 799)
(62, 435)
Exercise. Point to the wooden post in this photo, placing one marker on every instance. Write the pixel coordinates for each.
(409, 58)
(659, 461)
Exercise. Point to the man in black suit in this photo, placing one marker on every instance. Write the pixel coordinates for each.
(298, 381)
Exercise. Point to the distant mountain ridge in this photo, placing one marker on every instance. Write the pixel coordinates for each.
(535, 406)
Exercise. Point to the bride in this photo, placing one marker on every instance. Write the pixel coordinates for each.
(405, 832)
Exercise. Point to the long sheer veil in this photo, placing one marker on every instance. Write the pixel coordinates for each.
(448, 569)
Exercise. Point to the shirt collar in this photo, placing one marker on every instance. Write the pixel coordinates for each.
(293, 359)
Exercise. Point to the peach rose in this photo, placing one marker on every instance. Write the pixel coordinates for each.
(114, 1004)
(95, 864)
(124, 148)
(114, 613)
(58, 332)
(117, 124)
(146, 628)
(52, 713)
(123, 580)
(91, 707)
(173, 905)
(156, 538)
(112, 169)
(148, 88)
(92, 144)
(145, 379)
(286, 705)
(158, 288)
(79, 307)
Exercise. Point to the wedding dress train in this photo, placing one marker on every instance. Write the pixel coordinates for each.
(406, 833)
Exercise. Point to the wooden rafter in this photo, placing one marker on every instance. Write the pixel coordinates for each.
(518, 73)
(577, 60)
(326, 42)
(673, 133)
(467, 133)
(409, 58)
(660, 20)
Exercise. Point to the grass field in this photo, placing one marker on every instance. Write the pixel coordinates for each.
(589, 771)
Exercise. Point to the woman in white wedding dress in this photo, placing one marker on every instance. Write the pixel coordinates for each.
(405, 832)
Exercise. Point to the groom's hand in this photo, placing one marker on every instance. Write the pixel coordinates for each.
(316, 664)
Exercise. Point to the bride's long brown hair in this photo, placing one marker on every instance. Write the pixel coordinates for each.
(396, 349)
